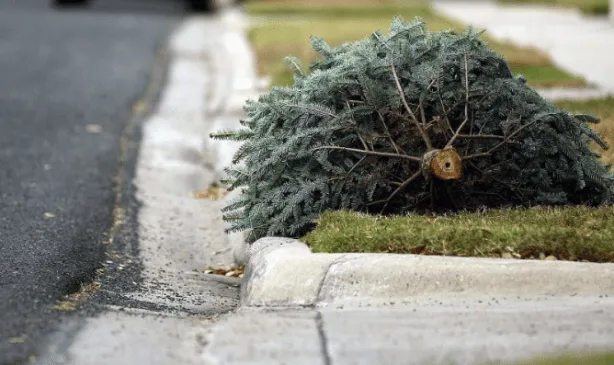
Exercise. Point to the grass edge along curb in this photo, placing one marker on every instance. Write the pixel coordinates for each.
(571, 233)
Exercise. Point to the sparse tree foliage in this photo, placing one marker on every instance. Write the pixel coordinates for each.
(410, 121)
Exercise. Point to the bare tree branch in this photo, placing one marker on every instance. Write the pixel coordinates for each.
(425, 137)
(479, 136)
(401, 187)
(311, 109)
(422, 113)
(370, 153)
(381, 40)
(356, 164)
(506, 140)
(421, 105)
(443, 107)
(485, 173)
(455, 136)
(509, 116)
(356, 124)
(396, 147)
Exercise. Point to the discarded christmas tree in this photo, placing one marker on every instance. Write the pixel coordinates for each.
(410, 121)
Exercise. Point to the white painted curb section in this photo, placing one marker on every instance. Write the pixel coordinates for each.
(283, 272)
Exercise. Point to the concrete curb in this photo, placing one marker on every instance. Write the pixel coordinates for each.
(283, 272)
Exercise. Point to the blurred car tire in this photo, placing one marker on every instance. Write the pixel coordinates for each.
(69, 2)
(202, 5)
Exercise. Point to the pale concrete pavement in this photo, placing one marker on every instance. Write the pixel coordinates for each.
(442, 331)
(577, 43)
(346, 309)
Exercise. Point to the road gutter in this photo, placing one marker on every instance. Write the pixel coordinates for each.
(165, 317)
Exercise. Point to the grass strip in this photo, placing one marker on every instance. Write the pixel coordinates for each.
(284, 27)
(589, 7)
(573, 359)
(575, 233)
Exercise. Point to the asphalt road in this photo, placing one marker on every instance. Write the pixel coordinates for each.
(68, 83)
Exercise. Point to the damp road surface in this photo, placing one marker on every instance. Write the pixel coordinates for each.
(69, 80)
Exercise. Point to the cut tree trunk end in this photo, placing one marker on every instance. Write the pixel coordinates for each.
(445, 164)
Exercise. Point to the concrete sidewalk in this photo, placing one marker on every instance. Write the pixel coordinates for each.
(577, 43)
(346, 309)
(438, 332)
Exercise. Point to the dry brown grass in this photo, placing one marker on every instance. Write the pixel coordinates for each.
(606, 129)
(604, 109)
(71, 302)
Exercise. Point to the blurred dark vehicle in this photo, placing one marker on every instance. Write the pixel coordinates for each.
(197, 5)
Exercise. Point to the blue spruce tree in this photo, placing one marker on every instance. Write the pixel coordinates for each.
(409, 121)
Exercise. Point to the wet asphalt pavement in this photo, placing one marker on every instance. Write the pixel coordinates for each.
(68, 82)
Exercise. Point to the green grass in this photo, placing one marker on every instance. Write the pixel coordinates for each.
(325, 11)
(573, 233)
(578, 233)
(285, 28)
(591, 7)
(575, 359)
(547, 76)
